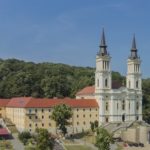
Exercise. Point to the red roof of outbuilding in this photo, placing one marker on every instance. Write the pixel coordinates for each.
(3, 131)
(4, 102)
(29, 102)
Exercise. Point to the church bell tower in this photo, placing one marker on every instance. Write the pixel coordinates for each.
(103, 71)
(133, 69)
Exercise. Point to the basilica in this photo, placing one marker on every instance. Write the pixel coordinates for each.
(117, 102)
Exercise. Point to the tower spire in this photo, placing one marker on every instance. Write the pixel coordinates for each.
(134, 49)
(103, 46)
(103, 42)
(134, 43)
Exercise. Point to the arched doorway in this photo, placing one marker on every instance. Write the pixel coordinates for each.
(123, 117)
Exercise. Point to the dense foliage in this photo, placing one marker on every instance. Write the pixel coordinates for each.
(61, 114)
(43, 140)
(19, 78)
(103, 139)
(146, 100)
(24, 137)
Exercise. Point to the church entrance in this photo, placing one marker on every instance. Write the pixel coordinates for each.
(123, 117)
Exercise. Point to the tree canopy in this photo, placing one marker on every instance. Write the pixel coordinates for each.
(103, 139)
(19, 78)
(43, 140)
(61, 114)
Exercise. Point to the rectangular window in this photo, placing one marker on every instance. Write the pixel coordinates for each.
(137, 106)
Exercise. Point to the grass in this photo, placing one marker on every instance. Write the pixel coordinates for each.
(77, 147)
(119, 147)
(5, 145)
(89, 138)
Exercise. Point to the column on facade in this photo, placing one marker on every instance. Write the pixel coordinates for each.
(112, 109)
(101, 109)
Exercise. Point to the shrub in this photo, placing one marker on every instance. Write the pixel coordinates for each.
(24, 136)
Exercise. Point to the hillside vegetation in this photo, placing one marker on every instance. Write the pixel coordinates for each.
(19, 78)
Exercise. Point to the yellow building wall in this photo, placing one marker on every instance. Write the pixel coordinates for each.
(31, 118)
(39, 118)
(2, 112)
(82, 117)
(17, 116)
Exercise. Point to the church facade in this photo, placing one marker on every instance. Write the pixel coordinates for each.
(117, 102)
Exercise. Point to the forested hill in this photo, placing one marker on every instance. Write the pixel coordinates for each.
(19, 78)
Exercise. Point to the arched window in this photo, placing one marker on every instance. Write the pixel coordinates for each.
(106, 83)
(137, 84)
(123, 105)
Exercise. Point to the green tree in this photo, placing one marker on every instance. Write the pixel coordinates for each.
(103, 139)
(43, 140)
(61, 114)
(96, 124)
(24, 137)
(92, 126)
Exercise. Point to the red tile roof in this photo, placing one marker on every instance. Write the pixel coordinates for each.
(19, 102)
(3, 131)
(91, 89)
(29, 102)
(4, 102)
(87, 90)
